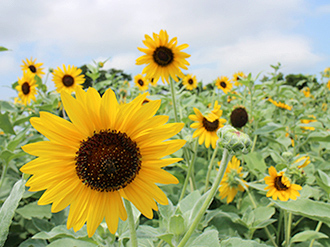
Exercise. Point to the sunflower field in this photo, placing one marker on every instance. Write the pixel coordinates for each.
(164, 159)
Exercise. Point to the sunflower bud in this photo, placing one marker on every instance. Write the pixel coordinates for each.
(233, 140)
(287, 155)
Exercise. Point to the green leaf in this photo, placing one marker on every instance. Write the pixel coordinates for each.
(61, 231)
(241, 242)
(3, 48)
(323, 181)
(307, 235)
(34, 210)
(189, 201)
(177, 225)
(69, 242)
(268, 128)
(8, 209)
(255, 162)
(5, 124)
(167, 238)
(314, 210)
(208, 238)
(33, 243)
(6, 107)
(262, 216)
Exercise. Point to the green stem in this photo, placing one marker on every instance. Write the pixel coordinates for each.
(173, 94)
(254, 143)
(288, 222)
(210, 169)
(318, 227)
(131, 224)
(189, 172)
(279, 225)
(224, 162)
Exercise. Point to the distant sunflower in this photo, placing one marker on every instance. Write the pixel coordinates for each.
(230, 184)
(279, 186)
(305, 160)
(328, 84)
(207, 125)
(190, 82)
(32, 66)
(237, 77)
(224, 84)
(306, 91)
(164, 58)
(105, 153)
(327, 72)
(280, 104)
(27, 87)
(141, 82)
(311, 119)
(68, 79)
(239, 117)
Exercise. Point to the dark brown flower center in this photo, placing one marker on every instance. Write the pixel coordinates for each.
(279, 185)
(108, 161)
(223, 84)
(140, 82)
(191, 81)
(26, 88)
(163, 56)
(239, 117)
(210, 126)
(33, 69)
(68, 80)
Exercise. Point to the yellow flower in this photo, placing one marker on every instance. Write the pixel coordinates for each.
(280, 104)
(164, 58)
(306, 160)
(306, 91)
(27, 88)
(68, 79)
(224, 84)
(327, 72)
(328, 84)
(105, 153)
(141, 82)
(32, 66)
(230, 185)
(190, 82)
(207, 125)
(279, 186)
(237, 77)
(307, 121)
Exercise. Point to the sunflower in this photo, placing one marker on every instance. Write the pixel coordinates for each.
(141, 82)
(230, 183)
(311, 119)
(327, 72)
(279, 186)
(207, 125)
(239, 117)
(164, 58)
(27, 88)
(328, 84)
(280, 104)
(224, 84)
(68, 79)
(305, 160)
(107, 152)
(306, 91)
(190, 82)
(237, 77)
(32, 66)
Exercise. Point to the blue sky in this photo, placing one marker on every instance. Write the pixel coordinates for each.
(223, 36)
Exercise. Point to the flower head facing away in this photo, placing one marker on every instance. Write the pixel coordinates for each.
(68, 79)
(164, 58)
(27, 87)
(207, 125)
(33, 67)
(279, 186)
(239, 117)
(107, 152)
(230, 183)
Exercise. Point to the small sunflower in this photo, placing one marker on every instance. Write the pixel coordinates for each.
(190, 82)
(305, 160)
(311, 119)
(27, 88)
(327, 72)
(231, 96)
(68, 79)
(230, 183)
(237, 77)
(279, 186)
(306, 91)
(239, 117)
(280, 104)
(141, 82)
(224, 84)
(105, 153)
(32, 66)
(328, 84)
(207, 125)
(164, 58)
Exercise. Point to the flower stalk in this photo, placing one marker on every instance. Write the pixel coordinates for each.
(131, 224)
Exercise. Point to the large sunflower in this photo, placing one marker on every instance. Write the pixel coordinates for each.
(27, 87)
(190, 82)
(32, 66)
(141, 82)
(107, 152)
(230, 183)
(207, 125)
(164, 58)
(279, 186)
(224, 84)
(68, 79)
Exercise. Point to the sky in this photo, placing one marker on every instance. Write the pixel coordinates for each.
(224, 37)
